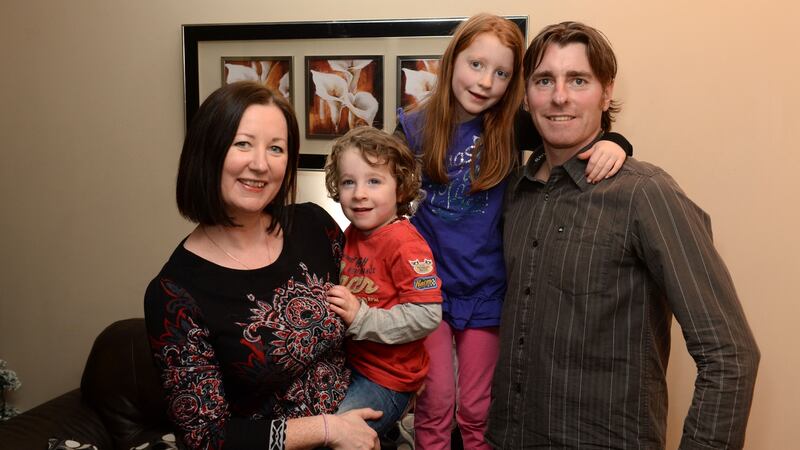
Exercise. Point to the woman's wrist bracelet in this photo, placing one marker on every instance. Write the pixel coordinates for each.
(325, 423)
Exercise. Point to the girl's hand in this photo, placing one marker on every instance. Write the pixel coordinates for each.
(350, 430)
(605, 160)
(343, 303)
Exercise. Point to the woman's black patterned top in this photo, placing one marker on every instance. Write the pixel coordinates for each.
(237, 348)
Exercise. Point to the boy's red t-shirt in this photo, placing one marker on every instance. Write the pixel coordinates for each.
(392, 265)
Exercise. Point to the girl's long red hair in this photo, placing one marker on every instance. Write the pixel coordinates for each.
(495, 154)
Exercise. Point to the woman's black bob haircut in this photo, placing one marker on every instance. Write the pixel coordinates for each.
(210, 135)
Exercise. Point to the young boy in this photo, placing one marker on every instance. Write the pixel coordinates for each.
(390, 295)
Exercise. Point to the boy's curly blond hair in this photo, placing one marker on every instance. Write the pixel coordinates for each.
(378, 147)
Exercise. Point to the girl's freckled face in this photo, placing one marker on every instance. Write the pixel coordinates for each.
(481, 74)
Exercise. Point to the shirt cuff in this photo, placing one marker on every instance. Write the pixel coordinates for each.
(277, 434)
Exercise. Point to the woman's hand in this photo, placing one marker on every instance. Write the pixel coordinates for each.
(343, 303)
(605, 160)
(350, 430)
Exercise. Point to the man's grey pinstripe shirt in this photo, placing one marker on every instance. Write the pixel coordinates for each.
(595, 274)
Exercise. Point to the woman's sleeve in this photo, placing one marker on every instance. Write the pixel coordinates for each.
(334, 234)
(191, 375)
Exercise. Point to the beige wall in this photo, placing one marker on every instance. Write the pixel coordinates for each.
(91, 124)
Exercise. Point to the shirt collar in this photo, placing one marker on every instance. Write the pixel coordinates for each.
(574, 167)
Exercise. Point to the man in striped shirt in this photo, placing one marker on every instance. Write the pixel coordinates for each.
(595, 274)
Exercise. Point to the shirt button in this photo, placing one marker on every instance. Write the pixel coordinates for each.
(546, 197)
(521, 340)
(560, 229)
(518, 387)
(535, 243)
(528, 290)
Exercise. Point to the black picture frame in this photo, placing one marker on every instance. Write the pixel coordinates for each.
(194, 34)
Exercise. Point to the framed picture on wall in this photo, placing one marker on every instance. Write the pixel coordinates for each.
(272, 51)
(272, 71)
(416, 76)
(343, 92)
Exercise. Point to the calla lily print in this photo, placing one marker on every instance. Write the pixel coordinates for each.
(416, 77)
(362, 106)
(274, 72)
(343, 92)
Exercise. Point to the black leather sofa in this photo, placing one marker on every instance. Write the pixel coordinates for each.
(119, 404)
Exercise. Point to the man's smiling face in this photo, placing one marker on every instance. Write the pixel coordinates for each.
(566, 99)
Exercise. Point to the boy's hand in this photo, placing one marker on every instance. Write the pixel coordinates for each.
(343, 303)
(605, 160)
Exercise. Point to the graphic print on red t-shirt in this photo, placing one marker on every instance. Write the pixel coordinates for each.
(392, 265)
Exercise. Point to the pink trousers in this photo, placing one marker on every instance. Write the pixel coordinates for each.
(476, 351)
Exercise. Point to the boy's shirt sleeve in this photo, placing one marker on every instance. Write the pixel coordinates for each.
(413, 272)
(406, 322)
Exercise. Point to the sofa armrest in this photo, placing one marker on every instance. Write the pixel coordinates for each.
(123, 386)
(65, 417)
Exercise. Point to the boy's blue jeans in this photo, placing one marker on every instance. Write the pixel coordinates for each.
(363, 393)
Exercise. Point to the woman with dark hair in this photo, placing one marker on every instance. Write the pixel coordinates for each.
(249, 352)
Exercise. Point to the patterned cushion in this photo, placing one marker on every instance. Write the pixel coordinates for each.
(165, 442)
(67, 444)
